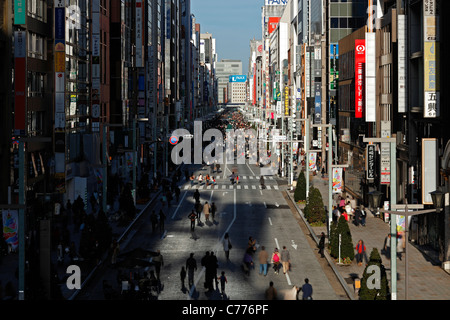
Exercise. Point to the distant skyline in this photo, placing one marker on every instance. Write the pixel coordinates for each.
(233, 23)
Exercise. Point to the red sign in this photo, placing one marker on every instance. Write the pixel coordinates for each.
(273, 23)
(360, 61)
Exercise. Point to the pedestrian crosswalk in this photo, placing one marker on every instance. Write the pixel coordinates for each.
(230, 187)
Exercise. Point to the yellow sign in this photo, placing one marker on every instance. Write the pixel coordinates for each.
(286, 101)
(431, 66)
(60, 61)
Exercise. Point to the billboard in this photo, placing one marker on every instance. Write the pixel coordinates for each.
(360, 59)
(238, 78)
(275, 2)
(273, 23)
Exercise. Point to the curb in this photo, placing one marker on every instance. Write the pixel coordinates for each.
(327, 255)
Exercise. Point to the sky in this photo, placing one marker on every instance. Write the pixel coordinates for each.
(233, 23)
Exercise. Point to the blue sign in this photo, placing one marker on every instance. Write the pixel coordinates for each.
(60, 22)
(238, 78)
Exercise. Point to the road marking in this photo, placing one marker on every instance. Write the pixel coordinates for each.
(261, 192)
(293, 244)
(239, 187)
(176, 210)
(224, 186)
(244, 177)
(231, 186)
(265, 205)
(246, 187)
(276, 187)
(270, 221)
(268, 187)
(277, 244)
(254, 187)
(250, 169)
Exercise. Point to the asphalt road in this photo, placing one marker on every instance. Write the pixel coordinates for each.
(243, 210)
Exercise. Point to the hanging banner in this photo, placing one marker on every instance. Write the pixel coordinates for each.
(10, 220)
(360, 59)
(312, 161)
(337, 180)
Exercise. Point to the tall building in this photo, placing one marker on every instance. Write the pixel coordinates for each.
(224, 69)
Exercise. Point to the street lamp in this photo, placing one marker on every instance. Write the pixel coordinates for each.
(375, 199)
(437, 197)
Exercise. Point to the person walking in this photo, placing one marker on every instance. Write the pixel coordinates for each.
(177, 193)
(387, 246)
(192, 216)
(262, 183)
(115, 249)
(248, 261)
(162, 218)
(223, 281)
(307, 290)
(285, 259)
(263, 257)
(200, 179)
(159, 262)
(198, 210)
(276, 260)
(271, 292)
(322, 245)
(154, 220)
(363, 216)
(197, 195)
(183, 277)
(213, 210)
(227, 246)
(360, 250)
(191, 267)
(213, 265)
(206, 210)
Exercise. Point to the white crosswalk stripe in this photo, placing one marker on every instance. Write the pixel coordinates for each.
(230, 187)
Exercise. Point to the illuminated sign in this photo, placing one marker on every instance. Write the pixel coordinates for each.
(360, 59)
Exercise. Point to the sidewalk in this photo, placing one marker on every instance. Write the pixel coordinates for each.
(427, 280)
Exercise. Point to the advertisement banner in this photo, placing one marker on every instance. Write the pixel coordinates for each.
(337, 180)
(401, 65)
(312, 161)
(10, 219)
(431, 51)
(20, 9)
(139, 34)
(360, 58)
(60, 23)
(60, 61)
(273, 23)
(237, 78)
(286, 101)
(19, 81)
(370, 162)
(370, 78)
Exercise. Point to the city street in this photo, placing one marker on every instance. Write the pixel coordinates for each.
(243, 210)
